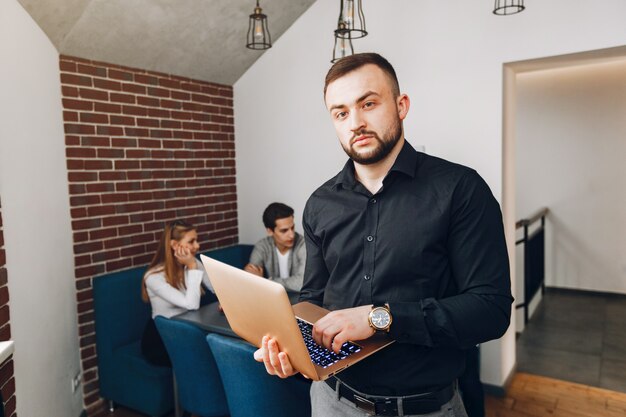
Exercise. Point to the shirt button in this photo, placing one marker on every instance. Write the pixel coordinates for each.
(373, 201)
(367, 277)
(370, 238)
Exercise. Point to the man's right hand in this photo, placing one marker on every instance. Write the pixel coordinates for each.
(276, 362)
(254, 269)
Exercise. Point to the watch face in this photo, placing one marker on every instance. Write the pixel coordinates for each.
(380, 318)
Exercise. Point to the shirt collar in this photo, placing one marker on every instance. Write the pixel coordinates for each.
(405, 163)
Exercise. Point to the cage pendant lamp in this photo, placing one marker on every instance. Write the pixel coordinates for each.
(507, 7)
(351, 15)
(258, 32)
(343, 43)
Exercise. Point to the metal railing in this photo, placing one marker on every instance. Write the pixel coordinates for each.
(534, 257)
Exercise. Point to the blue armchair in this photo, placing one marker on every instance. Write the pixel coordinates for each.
(125, 377)
(200, 390)
(250, 391)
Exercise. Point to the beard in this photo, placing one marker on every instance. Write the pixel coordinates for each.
(384, 145)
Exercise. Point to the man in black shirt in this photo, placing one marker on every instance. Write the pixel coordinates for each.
(398, 242)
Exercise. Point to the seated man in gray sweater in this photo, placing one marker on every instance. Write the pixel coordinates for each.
(281, 255)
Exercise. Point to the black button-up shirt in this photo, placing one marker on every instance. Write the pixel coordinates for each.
(430, 243)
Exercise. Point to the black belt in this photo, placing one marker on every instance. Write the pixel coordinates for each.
(393, 406)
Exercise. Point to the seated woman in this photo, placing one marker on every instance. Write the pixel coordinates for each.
(172, 283)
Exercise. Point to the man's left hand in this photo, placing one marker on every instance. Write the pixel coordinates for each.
(337, 327)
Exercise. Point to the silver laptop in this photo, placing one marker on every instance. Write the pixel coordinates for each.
(257, 307)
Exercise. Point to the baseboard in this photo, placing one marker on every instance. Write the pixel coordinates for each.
(497, 390)
(565, 290)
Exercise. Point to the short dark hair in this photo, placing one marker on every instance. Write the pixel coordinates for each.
(274, 212)
(353, 62)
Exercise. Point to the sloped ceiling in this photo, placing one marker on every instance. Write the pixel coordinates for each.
(200, 39)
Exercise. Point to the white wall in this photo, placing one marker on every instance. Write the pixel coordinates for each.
(449, 58)
(571, 157)
(35, 211)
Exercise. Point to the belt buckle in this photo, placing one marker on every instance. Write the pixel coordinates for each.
(364, 404)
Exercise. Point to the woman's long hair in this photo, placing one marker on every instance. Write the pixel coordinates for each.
(164, 259)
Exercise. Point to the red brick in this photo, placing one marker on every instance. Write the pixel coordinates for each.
(122, 98)
(192, 126)
(106, 256)
(149, 143)
(90, 94)
(140, 196)
(114, 221)
(136, 132)
(77, 104)
(191, 87)
(161, 113)
(179, 95)
(137, 153)
(182, 134)
(110, 130)
(95, 141)
(139, 175)
(84, 200)
(89, 271)
(94, 118)
(107, 84)
(128, 186)
(112, 176)
(147, 122)
(172, 144)
(134, 88)
(148, 101)
(100, 187)
(114, 198)
(111, 153)
(78, 213)
(69, 91)
(87, 247)
(170, 124)
(134, 110)
(159, 133)
(143, 259)
(124, 143)
(133, 251)
(120, 75)
(171, 104)
(158, 92)
(91, 70)
(180, 115)
(77, 189)
(98, 211)
(67, 66)
(146, 79)
(75, 79)
(125, 164)
(122, 120)
(82, 176)
(70, 116)
(79, 129)
(108, 108)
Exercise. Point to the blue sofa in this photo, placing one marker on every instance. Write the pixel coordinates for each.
(120, 315)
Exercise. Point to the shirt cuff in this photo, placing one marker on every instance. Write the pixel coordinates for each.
(409, 324)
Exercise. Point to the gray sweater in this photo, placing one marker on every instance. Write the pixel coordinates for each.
(264, 254)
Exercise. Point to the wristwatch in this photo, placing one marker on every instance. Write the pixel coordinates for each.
(380, 318)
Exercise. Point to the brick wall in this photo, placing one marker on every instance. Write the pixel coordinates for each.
(142, 149)
(7, 381)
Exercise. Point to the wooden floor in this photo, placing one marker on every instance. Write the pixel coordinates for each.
(536, 396)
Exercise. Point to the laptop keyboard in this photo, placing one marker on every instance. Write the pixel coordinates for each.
(319, 354)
